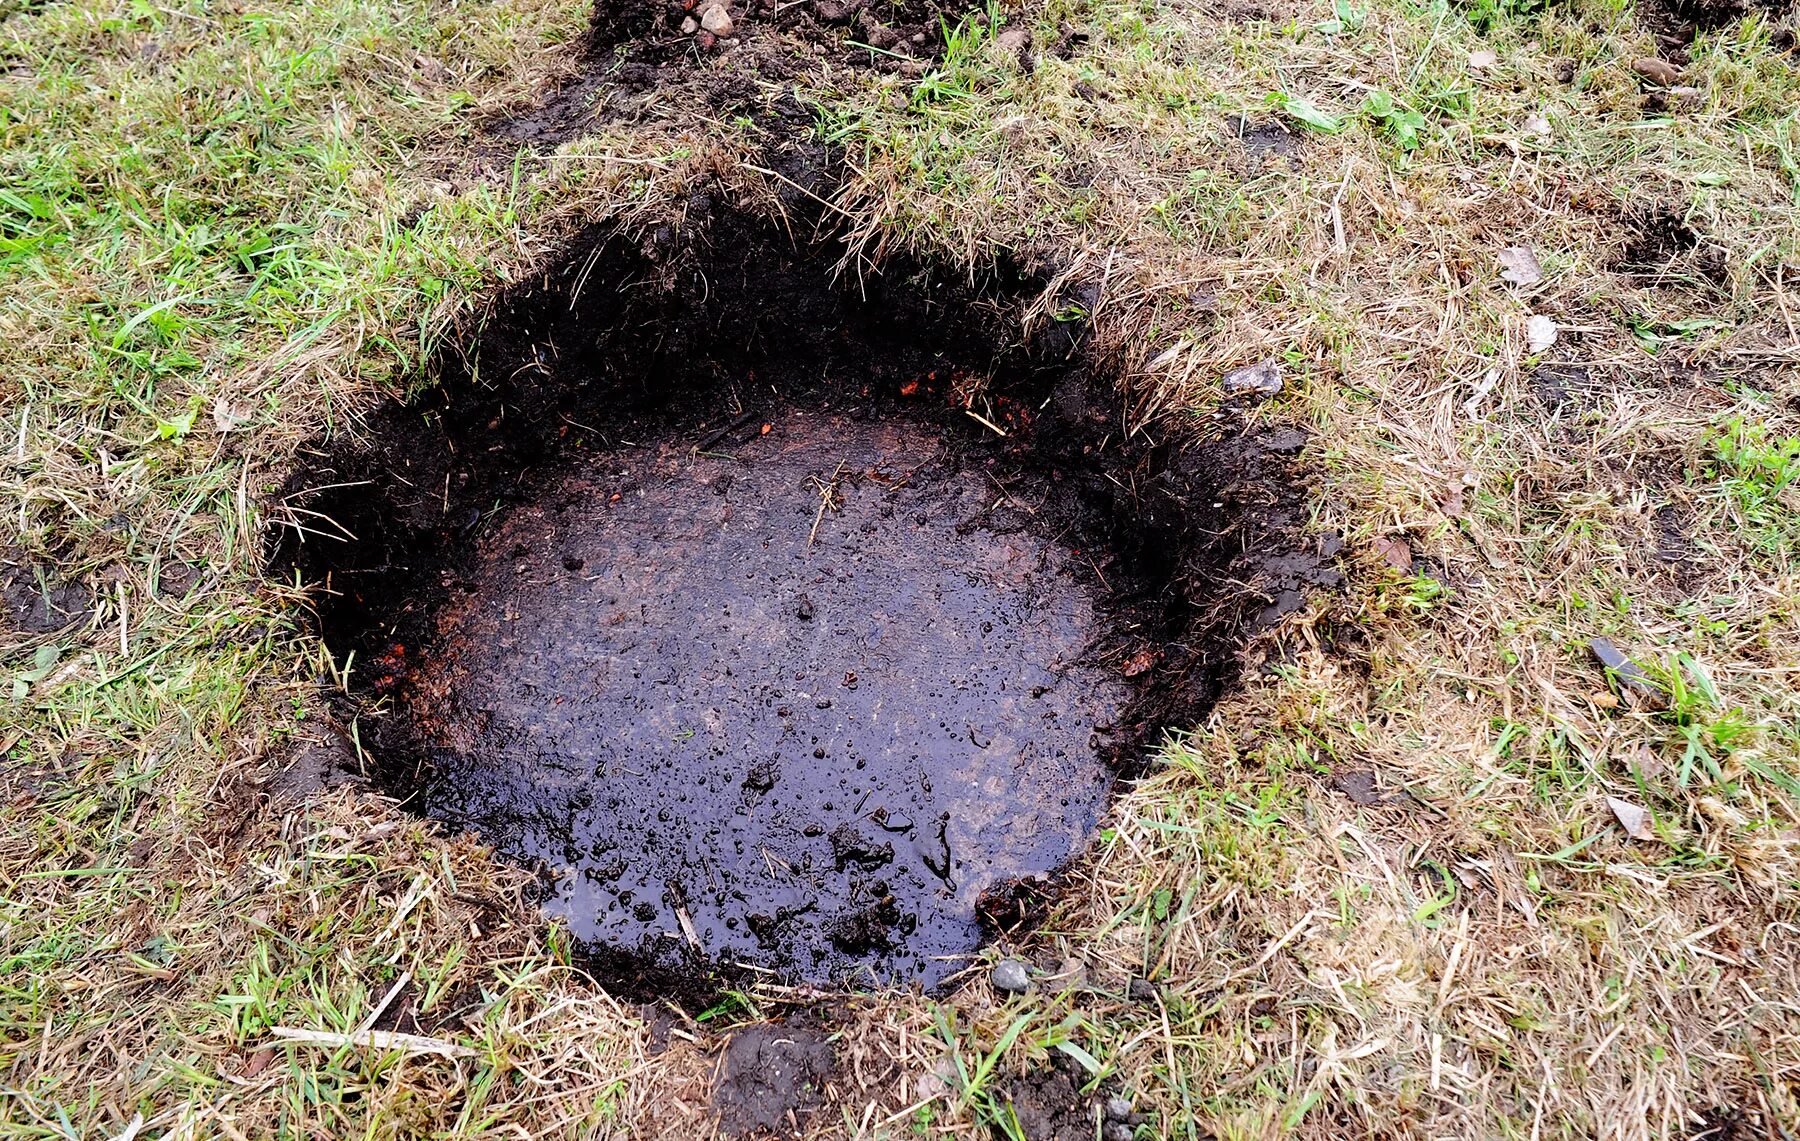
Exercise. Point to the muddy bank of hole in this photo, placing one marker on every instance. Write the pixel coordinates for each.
(785, 626)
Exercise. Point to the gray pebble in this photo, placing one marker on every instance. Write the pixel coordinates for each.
(1260, 379)
(1011, 977)
(1632, 680)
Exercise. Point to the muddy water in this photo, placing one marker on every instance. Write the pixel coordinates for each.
(794, 702)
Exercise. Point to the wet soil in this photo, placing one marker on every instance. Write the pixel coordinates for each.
(788, 626)
(1663, 249)
(1682, 18)
(642, 56)
(771, 1078)
(1267, 142)
(1049, 1104)
(35, 597)
(797, 701)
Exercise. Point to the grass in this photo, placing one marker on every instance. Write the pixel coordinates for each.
(224, 231)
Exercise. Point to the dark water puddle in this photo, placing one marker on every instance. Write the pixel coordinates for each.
(786, 629)
(797, 706)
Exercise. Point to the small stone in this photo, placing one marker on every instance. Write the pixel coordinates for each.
(1540, 333)
(1260, 379)
(1658, 71)
(689, 26)
(850, 846)
(717, 21)
(1118, 1109)
(836, 11)
(1115, 1131)
(1011, 976)
(1633, 682)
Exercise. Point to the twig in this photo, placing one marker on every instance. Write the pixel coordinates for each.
(706, 445)
(411, 900)
(827, 493)
(386, 1000)
(801, 189)
(374, 1040)
(984, 421)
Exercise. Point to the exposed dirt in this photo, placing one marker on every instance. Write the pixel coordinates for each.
(1662, 248)
(642, 56)
(1268, 142)
(1366, 787)
(816, 698)
(1729, 1123)
(830, 649)
(1564, 386)
(1050, 1105)
(1680, 19)
(771, 1078)
(314, 761)
(35, 596)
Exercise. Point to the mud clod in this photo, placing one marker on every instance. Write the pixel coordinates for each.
(771, 1078)
(36, 598)
(1050, 1106)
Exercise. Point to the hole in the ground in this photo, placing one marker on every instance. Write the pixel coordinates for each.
(788, 627)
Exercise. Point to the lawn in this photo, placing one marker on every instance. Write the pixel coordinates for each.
(1531, 271)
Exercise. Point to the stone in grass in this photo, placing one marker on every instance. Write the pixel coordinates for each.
(1540, 333)
(1658, 71)
(717, 21)
(1260, 379)
(1011, 976)
(1633, 682)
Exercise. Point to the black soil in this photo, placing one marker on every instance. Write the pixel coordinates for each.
(642, 57)
(35, 597)
(784, 625)
(1682, 18)
(1050, 1103)
(798, 703)
(771, 1078)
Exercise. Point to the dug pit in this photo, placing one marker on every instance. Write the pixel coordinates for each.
(784, 626)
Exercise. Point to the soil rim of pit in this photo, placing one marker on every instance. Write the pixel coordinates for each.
(1237, 472)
